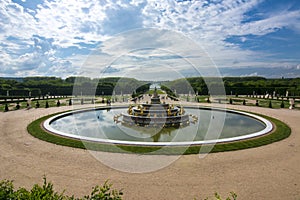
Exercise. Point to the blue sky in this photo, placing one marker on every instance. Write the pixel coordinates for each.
(57, 38)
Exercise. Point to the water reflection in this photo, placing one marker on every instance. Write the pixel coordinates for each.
(100, 124)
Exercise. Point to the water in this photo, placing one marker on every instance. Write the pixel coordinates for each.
(100, 124)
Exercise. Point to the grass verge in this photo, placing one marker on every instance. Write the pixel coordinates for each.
(281, 132)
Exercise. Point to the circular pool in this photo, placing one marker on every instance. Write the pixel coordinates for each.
(215, 125)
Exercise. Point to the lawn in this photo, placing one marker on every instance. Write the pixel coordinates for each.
(281, 131)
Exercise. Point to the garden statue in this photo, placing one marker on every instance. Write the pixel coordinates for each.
(292, 103)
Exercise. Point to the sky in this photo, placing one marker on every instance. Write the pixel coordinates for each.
(144, 37)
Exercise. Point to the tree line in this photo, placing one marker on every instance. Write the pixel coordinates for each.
(41, 86)
(236, 85)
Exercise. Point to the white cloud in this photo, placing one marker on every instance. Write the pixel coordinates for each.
(44, 34)
(210, 24)
(149, 54)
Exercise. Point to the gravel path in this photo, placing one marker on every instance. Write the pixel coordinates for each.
(268, 172)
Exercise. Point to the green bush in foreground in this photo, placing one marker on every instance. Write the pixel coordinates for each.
(46, 192)
(232, 196)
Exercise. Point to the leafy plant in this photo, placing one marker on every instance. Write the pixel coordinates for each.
(46, 192)
(6, 189)
(6, 108)
(47, 104)
(104, 192)
(282, 104)
(18, 106)
(58, 103)
(232, 196)
(208, 100)
(244, 102)
(37, 105)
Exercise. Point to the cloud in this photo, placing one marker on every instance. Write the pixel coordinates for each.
(210, 24)
(149, 54)
(40, 60)
(58, 34)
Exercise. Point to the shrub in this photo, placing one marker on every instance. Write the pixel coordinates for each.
(282, 104)
(232, 196)
(37, 105)
(105, 192)
(18, 106)
(6, 108)
(47, 104)
(208, 100)
(6, 189)
(40, 192)
(46, 192)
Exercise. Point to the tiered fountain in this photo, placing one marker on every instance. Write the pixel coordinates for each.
(155, 114)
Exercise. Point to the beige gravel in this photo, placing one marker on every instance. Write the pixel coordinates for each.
(268, 172)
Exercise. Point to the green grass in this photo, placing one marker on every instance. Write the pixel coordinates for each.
(281, 132)
(202, 99)
(159, 91)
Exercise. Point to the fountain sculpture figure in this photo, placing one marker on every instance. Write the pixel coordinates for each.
(156, 114)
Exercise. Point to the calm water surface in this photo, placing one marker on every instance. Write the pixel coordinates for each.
(100, 124)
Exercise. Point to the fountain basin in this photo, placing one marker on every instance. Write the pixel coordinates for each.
(97, 125)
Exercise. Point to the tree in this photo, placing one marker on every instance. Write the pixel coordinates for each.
(244, 102)
(282, 104)
(270, 104)
(6, 108)
(47, 104)
(37, 105)
(208, 100)
(18, 106)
